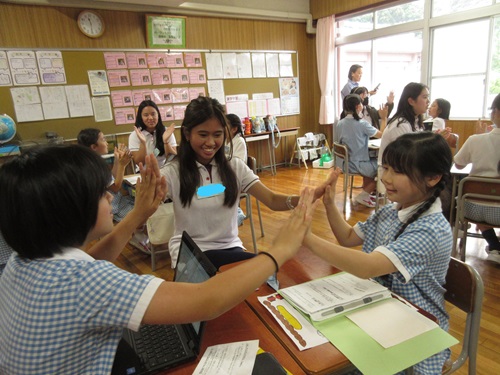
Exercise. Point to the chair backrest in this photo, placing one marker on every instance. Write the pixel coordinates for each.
(465, 290)
(252, 163)
(340, 151)
(484, 189)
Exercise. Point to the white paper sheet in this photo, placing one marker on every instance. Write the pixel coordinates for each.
(391, 322)
(237, 358)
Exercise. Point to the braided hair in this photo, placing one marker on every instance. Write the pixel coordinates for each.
(420, 155)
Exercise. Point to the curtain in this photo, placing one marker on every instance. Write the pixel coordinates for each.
(325, 50)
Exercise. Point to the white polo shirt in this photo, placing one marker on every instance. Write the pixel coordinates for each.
(482, 151)
(134, 143)
(210, 224)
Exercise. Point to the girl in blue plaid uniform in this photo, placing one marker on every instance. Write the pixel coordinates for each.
(407, 245)
(63, 310)
(95, 140)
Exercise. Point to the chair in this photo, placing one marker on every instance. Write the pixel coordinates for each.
(340, 151)
(465, 290)
(252, 164)
(473, 189)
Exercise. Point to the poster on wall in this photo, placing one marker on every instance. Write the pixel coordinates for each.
(51, 67)
(23, 68)
(98, 82)
(27, 103)
(289, 94)
(5, 77)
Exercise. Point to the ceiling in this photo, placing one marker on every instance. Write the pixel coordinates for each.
(296, 10)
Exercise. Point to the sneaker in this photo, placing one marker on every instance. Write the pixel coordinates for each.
(367, 202)
(494, 256)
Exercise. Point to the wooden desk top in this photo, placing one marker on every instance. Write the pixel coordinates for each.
(239, 324)
(305, 266)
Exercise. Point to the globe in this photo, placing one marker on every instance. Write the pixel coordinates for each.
(7, 128)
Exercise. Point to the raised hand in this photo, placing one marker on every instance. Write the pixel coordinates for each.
(291, 234)
(151, 188)
(141, 136)
(168, 132)
(329, 196)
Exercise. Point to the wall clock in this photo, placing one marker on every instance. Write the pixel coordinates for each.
(90, 23)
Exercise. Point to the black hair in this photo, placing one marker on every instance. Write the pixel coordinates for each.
(160, 128)
(444, 108)
(350, 103)
(359, 90)
(50, 198)
(352, 70)
(420, 155)
(405, 110)
(234, 123)
(88, 137)
(197, 112)
(496, 103)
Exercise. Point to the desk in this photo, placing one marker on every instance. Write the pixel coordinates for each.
(269, 137)
(239, 324)
(305, 266)
(264, 136)
(456, 175)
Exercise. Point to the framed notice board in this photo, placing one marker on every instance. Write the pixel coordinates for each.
(184, 73)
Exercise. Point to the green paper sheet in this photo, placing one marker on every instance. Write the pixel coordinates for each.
(370, 357)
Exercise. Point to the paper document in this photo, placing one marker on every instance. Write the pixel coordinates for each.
(333, 295)
(131, 179)
(395, 322)
(237, 358)
(303, 334)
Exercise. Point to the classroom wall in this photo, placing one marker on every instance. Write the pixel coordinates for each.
(324, 8)
(27, 26)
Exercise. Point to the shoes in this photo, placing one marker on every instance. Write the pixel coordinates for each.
(365, 201)
(494, 256)
(141, 242)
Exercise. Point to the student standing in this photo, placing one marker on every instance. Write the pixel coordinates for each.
(407, 245)
(150, 135)
(353, 78)
(62, 309)
(355, 132)
(482, 151)
(205, 186)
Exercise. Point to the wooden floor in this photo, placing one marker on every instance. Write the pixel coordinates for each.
(290, 180)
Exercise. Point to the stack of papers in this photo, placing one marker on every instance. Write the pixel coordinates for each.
(324, 298)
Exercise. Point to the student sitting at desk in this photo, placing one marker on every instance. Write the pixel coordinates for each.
(355, 132)
(151, 136)
(62, 309)
(205, 186)
(482, 151)
(406, 245)
(371, 114)
(95, 140)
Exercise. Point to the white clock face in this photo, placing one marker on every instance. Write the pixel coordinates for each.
(91, 24)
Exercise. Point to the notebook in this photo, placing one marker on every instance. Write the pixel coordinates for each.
(158, 347)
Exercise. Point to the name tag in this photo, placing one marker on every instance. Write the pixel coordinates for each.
(211, 190)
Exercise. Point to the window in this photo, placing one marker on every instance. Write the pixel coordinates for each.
(458, 66)
(456, 52)
(443, 7)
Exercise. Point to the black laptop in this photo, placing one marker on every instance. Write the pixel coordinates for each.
(158, 347)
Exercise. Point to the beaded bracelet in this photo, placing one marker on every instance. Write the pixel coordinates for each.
(272, 258)
(289, 203)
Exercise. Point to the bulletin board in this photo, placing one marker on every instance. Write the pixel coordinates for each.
(77, 63)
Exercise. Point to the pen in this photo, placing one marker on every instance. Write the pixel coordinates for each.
(352, 305)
